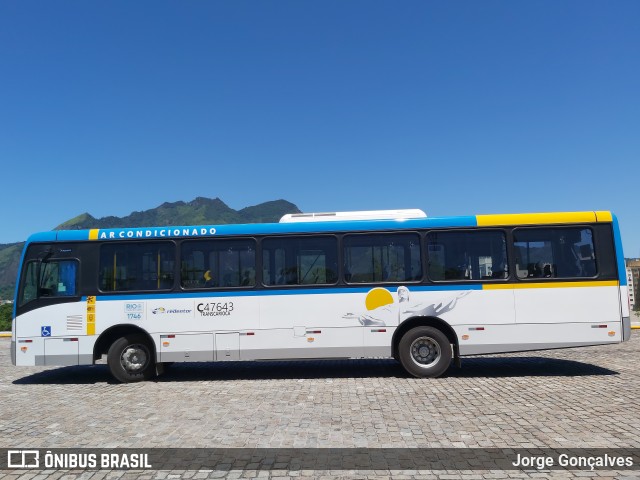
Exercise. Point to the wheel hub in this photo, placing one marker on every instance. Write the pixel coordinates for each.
(425, 352)
(134, 358)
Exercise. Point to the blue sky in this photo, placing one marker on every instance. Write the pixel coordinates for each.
(454, 107)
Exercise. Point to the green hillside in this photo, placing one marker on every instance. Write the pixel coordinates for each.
(9, 259)
(201, 211)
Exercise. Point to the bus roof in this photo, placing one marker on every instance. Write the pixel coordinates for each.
(360, 215)
(199, 231)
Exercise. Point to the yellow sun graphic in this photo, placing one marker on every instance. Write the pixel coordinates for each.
(378, 297)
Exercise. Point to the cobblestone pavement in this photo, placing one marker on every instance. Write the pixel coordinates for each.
(577, 398)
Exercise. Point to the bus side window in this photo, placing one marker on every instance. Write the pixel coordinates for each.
(58, 278)
(467, 255)
(218, 263)
(300, 261)
(54, 278)
(562, 252)
(29, 288)
(385, 257)
(67, 278)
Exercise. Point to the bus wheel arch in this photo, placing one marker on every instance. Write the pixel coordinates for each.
(110, 335)
(131, 353)
(429, 334)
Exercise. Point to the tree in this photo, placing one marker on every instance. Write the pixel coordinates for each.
(6, 311)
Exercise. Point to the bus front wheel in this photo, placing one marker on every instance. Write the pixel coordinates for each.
(425, 352)
(130, 359)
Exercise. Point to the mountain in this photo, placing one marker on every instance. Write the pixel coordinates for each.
(201, 211)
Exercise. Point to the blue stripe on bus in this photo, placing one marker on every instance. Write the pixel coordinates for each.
(346, 226)
(72, 235)
(293, 291)
(617, 239)
(210, 231)
(44, 237)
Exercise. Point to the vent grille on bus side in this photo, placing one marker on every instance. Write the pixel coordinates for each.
(74, 323)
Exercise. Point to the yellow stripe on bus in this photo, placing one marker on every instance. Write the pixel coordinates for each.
(510, 286)
(536, 218)
(604, 216)
(93, 234)
(91, 315)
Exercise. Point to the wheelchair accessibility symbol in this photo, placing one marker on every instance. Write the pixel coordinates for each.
(45, 331)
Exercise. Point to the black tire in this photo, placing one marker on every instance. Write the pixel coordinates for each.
(130, 359)
(425, 352)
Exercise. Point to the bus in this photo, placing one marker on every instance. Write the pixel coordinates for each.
(425, 291)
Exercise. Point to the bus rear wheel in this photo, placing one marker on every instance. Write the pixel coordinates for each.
(130, 359)
(425, 352)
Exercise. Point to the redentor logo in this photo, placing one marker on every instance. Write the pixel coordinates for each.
(23, 459)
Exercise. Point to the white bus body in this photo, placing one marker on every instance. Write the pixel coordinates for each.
(422, 322)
